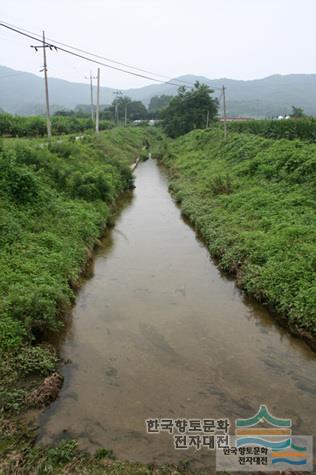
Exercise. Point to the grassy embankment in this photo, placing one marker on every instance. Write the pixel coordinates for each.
(253, 201)
(55, 201)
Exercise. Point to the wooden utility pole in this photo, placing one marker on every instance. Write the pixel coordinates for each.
(49, 125)
(224, 107)
(207, 118)
(98, 103)
(91, 94)
(91, 98)
(125, 118)
(45, 45)
(116, 113)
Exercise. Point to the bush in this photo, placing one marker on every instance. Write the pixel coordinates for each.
(35, 359)
(253, 200)
(12, 334)
(19, 182)
(54, 203)
(221, 185)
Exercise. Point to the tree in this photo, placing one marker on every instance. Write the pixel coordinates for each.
(134, 109)
(188, 110)
(158, 102)
(137, 111)
(106, 113)
(297, 112)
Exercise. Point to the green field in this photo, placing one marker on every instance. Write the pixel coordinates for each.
(303, 128)
(253, 201)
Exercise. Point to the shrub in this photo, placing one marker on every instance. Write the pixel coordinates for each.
(35, 359)
(221, 184)
(259, 219)
(12, 333)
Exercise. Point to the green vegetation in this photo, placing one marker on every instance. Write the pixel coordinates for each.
(35, 126)
(66, 459)
(304, 128)
(253, 201)
(134, 110)
(55, 201)
(189, 110)
(297, 112)
(157, 103)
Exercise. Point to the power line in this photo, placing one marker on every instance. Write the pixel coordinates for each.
(31, 36)
(110, 60)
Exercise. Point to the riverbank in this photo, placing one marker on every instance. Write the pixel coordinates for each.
(56, 201)
(163, 300)
(252, 200)
(158, 330)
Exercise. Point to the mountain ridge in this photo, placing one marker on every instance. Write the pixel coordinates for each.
(23, 93)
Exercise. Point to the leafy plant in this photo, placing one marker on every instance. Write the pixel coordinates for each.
(35, 359)
(260, 212)
(104, 454)
(221, 184)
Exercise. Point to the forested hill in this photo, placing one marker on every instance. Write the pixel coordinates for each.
(23, 93)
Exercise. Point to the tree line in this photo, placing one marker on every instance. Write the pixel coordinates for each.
(190, 109)
(180, 114)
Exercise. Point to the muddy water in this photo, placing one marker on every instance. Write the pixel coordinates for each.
(158, 332)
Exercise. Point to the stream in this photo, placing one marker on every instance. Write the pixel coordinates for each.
(159, 332)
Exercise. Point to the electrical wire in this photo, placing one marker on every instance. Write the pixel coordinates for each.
(30, 35)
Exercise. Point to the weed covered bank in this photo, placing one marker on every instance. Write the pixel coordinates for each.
(253, 201)
(55, 201)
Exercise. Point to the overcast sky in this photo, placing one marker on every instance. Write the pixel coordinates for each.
(241, 39)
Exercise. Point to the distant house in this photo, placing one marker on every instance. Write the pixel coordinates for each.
(281, 117)
(139, 121)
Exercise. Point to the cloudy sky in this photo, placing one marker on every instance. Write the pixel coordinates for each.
(241, 39)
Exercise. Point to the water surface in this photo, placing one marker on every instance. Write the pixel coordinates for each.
(159, 332)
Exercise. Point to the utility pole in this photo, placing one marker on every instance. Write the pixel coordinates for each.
(224, 107)
(116, 113)
(98, 103)
(91, 94)
(207, 119)
(51, 47)
(125, 118)
(49, 125)
(117, 93)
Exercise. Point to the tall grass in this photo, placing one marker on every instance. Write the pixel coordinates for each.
(291, 129)
(253, 199)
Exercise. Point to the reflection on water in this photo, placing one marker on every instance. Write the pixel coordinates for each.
(159, 332)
